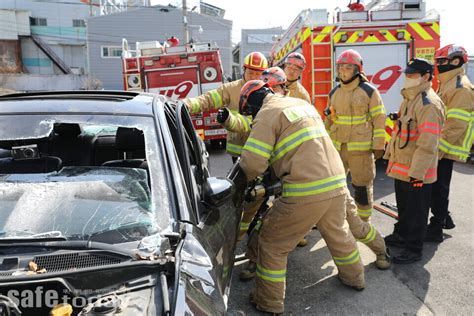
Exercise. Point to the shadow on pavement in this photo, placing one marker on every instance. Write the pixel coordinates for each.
(438, 284)
(312, 283)
(464, 168)
(414, 275)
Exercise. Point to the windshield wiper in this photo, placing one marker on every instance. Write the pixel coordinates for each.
(54, 235)
(72, 245)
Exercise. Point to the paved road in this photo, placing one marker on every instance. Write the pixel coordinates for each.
(441, 284)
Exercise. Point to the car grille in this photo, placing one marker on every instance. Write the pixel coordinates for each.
(74, 261)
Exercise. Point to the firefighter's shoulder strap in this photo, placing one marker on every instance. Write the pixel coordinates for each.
(368, 88)
(459, 84)
(328, 110)
(333, 90)
(424, 97)
(464, 82)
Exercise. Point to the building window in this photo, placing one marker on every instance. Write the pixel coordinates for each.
(38, 21)
(111, 51)
(78, 23)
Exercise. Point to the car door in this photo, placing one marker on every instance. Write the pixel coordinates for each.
(217, 224)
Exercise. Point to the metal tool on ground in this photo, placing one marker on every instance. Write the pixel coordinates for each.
(387, 208)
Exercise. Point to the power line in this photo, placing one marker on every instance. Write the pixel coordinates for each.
(98, 6)
(88, 39)
(110, 35)
(88, 34)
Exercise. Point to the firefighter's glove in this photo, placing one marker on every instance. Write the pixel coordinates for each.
(327, 111)
(378, 153)
(393, 116)
(250, 189)
(222, 115)
(416, 184)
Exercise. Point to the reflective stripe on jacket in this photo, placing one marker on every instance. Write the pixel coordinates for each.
(359, 117)
(413, 149)
(457, 134)
(289, 135)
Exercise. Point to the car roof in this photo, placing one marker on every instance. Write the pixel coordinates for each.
(79, 102)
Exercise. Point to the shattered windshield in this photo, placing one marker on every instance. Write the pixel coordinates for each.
(77, 203)
(81, 178)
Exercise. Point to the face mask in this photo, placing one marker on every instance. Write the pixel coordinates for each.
(445, 68)
(346, 82)
(255, 101)
(410, 82)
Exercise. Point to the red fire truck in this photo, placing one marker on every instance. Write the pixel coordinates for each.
(177, 72)
(387, 34)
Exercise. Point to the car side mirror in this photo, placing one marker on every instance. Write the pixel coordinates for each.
(218, 191)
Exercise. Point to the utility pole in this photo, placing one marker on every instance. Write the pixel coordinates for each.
(185, 22)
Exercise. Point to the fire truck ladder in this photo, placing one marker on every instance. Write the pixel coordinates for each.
(322, 61)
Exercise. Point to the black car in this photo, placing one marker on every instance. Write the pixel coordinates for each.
(107, 208)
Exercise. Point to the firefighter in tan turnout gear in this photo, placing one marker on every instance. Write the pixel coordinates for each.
(457, 134)
(286, 134)
(237, 123)
(413, 159)
(356, 119)
(228, 95)
(275, 78)
(362, 231)
(294, 65)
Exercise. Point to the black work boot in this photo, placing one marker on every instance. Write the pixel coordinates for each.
(434, 233)
(448, 222)
(407, 256)
(394, 240)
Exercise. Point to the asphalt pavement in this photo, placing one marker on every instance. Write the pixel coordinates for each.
(442, 283)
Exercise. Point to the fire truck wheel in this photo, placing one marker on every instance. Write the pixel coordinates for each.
(218, 143)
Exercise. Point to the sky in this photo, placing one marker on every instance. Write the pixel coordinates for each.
(456, 15)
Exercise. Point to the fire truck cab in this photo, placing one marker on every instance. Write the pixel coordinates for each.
(386, 33)
(177, 72)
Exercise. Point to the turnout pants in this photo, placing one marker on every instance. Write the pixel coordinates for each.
(362, 231)
(413, 208)
(250, 210)
(287, 222)
(361, 166)
(440, 194)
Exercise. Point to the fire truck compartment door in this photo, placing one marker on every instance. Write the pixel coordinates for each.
(176, 83)
(383, 65)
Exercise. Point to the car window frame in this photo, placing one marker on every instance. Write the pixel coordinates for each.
(189, 146)
(165, 113)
